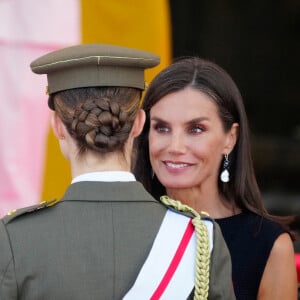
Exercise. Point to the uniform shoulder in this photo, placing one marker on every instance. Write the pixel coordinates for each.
(15, 213)
(184, 209)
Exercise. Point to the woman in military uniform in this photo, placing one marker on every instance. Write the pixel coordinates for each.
(106, 232)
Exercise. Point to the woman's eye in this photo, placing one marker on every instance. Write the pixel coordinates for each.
(196, 129)
(161, 128)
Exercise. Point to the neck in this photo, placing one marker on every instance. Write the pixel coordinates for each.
(209, 201)
(95, 162)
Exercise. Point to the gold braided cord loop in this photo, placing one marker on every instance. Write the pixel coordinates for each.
(202, 247)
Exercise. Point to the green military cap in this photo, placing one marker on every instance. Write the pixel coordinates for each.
(90, 65)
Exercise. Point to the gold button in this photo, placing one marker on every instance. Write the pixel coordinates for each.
(12, 212)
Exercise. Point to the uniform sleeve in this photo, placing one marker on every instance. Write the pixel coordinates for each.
(220, 281)
(8, 286)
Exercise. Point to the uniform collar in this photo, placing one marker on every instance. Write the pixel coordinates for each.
(107, 191)
(106, 176)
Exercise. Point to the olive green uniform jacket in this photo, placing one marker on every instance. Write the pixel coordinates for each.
(89, 245)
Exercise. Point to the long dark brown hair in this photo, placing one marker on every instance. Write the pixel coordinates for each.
(214, 81)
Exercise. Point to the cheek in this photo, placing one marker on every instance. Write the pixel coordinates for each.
(156, 142)
(213, 153)
(153, 145)
(152, 152)
(157, 147)
(206, 150)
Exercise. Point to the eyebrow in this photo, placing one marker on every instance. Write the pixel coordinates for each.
(195, 120)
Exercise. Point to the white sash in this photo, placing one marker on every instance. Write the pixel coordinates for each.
(169, 271)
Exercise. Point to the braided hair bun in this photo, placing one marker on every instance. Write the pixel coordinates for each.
(98, 118)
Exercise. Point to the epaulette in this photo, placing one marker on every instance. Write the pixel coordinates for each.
(204, 215)
(183, 209)
(15, 213)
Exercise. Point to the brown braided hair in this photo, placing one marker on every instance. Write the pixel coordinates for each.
(98, 118)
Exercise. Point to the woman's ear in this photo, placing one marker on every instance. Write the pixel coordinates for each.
(231, 139)
(57, 126)
(138, 123)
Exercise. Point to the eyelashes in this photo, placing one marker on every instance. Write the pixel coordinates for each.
(159, 127)
(193, 128)
(196, 129)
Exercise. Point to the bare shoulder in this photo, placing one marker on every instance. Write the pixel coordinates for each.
(283, 247)
(279, 279)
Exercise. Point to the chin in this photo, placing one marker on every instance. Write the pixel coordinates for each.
(174, 185)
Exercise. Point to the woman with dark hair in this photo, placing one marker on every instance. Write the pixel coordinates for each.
(195, 147)
(107, 238)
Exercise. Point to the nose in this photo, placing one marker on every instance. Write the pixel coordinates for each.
(176, 144)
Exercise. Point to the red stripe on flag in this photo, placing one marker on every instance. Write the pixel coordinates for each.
(175, 262)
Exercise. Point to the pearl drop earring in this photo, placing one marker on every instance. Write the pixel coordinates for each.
(224, 176)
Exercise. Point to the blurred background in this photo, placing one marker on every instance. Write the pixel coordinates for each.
(257, 42)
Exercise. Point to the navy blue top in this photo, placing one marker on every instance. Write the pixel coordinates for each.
(249, 238)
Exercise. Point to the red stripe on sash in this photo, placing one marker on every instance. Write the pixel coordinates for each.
(175, 261)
